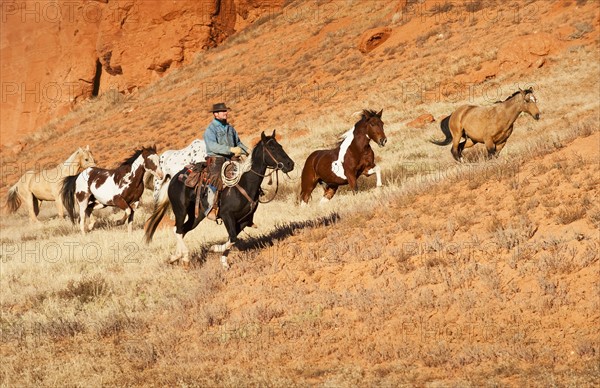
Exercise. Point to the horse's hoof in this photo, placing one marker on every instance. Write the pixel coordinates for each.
(186, 265)
(224, 263)
(173, 259)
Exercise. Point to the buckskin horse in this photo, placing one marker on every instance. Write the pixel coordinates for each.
(35, 187)
(345, 163)
(121, 187)
(490, 125)
(238, 203)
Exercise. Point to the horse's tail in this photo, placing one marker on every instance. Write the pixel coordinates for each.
(445, 126)
(14, 200)
(158, 188)
(67, 194)
(160, 209)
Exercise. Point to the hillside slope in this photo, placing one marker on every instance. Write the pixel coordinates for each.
(486, 278)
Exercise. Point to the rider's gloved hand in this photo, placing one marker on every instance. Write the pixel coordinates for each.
(237, 151)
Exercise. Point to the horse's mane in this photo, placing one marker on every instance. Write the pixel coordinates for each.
(136, 154)
(530, 90)
(365, 115)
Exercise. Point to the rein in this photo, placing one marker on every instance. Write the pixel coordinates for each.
(275, 170)
(269, 175)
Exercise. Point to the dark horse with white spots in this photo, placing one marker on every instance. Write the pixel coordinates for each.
(345, 163)
(121, 187)
(237, 204)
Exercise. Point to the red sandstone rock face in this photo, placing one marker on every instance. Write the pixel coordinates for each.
(57, 54)
(373, 38)
(421, 121)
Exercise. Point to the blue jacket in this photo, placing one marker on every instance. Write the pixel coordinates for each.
(219, 138)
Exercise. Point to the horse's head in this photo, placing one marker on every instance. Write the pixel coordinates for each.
(151, 161)
(274, 155)
(374, 126)
(85, 158)
(530, 103)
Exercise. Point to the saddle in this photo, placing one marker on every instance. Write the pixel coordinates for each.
(192, 176)
(198, 176)
(195, 176)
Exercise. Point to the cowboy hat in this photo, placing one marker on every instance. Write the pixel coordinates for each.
(220, 107)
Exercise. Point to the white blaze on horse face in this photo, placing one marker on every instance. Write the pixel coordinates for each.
(337, 166)
(158, 172)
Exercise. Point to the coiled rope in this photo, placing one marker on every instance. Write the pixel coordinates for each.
(236, 171)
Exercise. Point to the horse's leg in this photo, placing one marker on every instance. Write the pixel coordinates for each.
(29, 199)
(232, 230)
(133, 208)
(157, 186)
(181, 252)
(457, 148)
(499, 147)
(31, 203)
(180, 204)
(224, 250)
(92, 205)
(60, 208)
(307, 189)
(190, 223)
(353, 182)
(85, 210)
(377, 171)
(491, 147)
(330, 191)
(57, 200)
(309, 181)
(130, 222)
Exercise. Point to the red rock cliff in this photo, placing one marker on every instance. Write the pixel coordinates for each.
(55, 54)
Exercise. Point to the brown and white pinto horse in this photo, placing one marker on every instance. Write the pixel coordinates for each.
(490, 125)
(345, 163)
(121, 187)
(34, 187)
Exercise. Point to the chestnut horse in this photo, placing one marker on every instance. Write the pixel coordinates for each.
(490, 125)
(345, 163)
(121, 187)
(35, 187)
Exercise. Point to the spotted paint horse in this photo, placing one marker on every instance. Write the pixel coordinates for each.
(173, 161)
(121, 187)
(343, 165)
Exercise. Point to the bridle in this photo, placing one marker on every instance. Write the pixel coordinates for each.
(279, 166)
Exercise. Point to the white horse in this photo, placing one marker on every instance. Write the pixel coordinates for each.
(173, 161)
